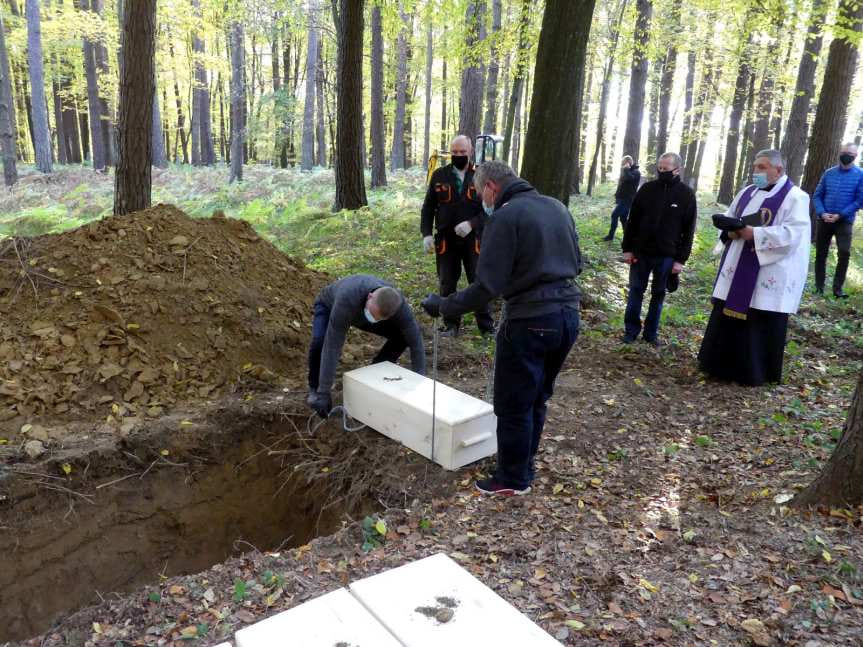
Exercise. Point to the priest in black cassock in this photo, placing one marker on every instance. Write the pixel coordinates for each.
(764, 242)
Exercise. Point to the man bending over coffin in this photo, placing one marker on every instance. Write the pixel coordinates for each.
(765, 237)
(368, 303)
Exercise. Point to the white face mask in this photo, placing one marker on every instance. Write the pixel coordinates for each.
(369, 317)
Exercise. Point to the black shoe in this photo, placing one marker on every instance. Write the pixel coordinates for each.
(655, 342)
(627, 339)
(449, 331)
(839, 294)
(608, 238)
(490, 486)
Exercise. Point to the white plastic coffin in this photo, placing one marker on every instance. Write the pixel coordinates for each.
(398, 403)
(336, 618)
(479, 615)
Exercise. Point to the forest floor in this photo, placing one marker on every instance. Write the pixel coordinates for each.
(659, 514)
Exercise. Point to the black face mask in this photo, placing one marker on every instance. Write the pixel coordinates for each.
(666, 177)
(459, 161)
(846, 158)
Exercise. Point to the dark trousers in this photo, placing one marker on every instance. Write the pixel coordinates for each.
(390, 352)
(530, 353)
(620, 212)
(824, 232)
(453, 252)
(639, 275)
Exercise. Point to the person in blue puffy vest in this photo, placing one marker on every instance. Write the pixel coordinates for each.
(837, 198)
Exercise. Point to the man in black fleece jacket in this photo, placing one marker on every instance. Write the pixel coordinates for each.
(657, 240)
(530, 256)
(368, 303)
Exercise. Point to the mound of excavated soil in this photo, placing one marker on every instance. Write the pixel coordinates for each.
(123, 318)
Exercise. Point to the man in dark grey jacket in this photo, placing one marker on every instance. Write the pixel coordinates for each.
(368, 303)
(530, 256)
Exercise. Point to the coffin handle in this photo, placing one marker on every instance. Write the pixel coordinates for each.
(468, 442)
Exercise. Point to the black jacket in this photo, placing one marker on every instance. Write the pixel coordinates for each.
(529, 255)
(445, 205)
(661, 221)
(627, 185)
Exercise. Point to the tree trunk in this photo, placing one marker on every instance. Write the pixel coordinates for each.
(62, 151)
(747, 131)
(321, 147)
(397, 152)
(41, 134)
(379, 165)
(554, 115)
(238, 101)
(779, 102)
(701, 113)
(611, 163)
(443, 113)
(579, 142)
(308, 151)
(688, 97)
(429, 62)
(106, 126)
(70, 123)
(840, 483)
(489, 122)
(94, 104)
(160, 160)
(655, 76)
(181, 118)
(8, 131)
(637, 80)
(667, 82)
(350, 182)
(521, 61)
(726, 185)
(796, 132)
(133, 181)
(201, 102)
(603, 97)
(470, 99)
(717, 178)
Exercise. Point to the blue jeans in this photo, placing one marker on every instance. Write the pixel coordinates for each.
(390, 352)
(621, 212)
(530, 353)
(639, 274)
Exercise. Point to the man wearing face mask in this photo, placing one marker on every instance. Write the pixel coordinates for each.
(657, 241)
(368, 303)
(454, 210)
(837, 198)
(531, 258)
(765, 258)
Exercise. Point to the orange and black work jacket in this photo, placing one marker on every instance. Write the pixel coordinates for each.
(449, 202)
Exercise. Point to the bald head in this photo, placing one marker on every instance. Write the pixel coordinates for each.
(461, 145)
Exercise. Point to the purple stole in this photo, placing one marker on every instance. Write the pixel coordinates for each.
(746, 274)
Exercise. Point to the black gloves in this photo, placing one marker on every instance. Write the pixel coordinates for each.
(431, 304)
(322, 403)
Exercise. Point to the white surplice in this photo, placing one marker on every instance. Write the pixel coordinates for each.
(782, 248)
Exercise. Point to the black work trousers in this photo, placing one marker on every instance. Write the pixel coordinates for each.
(824, 233)
(453, 252)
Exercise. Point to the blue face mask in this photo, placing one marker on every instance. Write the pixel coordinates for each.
(488, 209)
(369, 316)
(759, 180)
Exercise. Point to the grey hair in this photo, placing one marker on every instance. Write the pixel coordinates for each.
(464, 137)
(388, 300)
(495, 170)
(850, 145)
(674, 157)
(773, 156)
(628, 158)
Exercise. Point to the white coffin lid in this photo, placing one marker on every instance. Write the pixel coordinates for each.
(481, 616)
(326, 621)
(452, 407)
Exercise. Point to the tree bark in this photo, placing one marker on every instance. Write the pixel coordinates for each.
(160, 159)
(94, 104)
(637, 80)
(106, 126)
(489, 122)
(133, 179)
(62, 152)
(779, 102)
(688, 99)
(443, 112)
(554, 115)
(796, 132)
(238, 100)
(308, 150)
(470, 98)
(41, 134)
(701, 112)
(840, 483)
(521, 60)
(379, 165)
(428, 88)
(350, 182)
(201, 98)
(8, 130)
(320, 128)
(667, 82)
(397, 152)
(747, 131)
(654, 76)
(729, 165)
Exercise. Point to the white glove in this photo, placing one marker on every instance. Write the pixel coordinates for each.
(463, 228)
(428, 244)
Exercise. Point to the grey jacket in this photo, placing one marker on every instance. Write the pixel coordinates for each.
(346, 300)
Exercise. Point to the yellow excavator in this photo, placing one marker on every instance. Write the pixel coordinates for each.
(485, 148)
